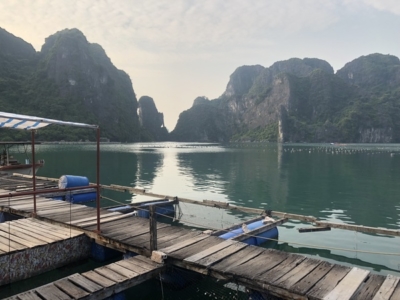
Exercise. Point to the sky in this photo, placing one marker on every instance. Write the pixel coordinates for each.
(177, 50)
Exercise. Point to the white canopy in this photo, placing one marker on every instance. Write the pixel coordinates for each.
(8, 120)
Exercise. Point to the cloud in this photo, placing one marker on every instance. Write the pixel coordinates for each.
(391, 6)
(163, 43)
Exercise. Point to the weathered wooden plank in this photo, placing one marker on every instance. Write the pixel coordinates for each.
(165, 242)
(298, 273)
(369, 289)
(169, 232)
(144, 262)
(132, 222)
(108, 273)
(29, 232)
(9, 228)
(305, 284)
(281, 269)
(141, 232)
(51, 292)
(54, 229)
(256, 267)
(184, 244)
(237, 259)
(194, 248)
(396, 293)
(98, 279)
(85, 283)
(140, 263)
(38, 230)
(328, 282)
(29, 295)
(124, 226)
(21, 201)
(220, 255)
(26, 241)
(128, 264)
(6, 248)
(387, 288)
(209, 251)
(106, 220)
(94, 217)
(42, 206)
(120, 269)
(72, 215)
(71, 289)
(11, 243)
(348, 285)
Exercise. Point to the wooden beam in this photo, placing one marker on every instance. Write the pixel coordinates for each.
(360, 228)
(257, 231)
(313, 229)
(153, 228)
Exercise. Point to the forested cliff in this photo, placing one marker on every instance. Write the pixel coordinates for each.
(69, 79)
(302, 100)
(297, 100)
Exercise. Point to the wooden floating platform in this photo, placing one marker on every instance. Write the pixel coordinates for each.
(99, 283)
(24, 234)
(29, 247)
(286, 275)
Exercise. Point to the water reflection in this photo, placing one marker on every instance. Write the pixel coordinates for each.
(346, 184)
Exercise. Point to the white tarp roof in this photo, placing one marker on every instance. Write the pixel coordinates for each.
(8, 120)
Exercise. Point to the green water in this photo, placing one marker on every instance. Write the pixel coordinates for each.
(354, 184)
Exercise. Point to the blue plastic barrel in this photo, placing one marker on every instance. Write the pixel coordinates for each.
(81, 198)
(68, 181)
(261, 237)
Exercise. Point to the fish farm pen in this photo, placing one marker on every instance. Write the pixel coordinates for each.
(144, 254)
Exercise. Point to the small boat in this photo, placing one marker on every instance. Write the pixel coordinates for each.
(9, 165)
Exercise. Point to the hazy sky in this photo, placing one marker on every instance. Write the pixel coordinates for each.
(176, 50)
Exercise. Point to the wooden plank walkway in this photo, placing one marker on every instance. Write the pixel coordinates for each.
(99, 283)
(22, 234)
(286, 275)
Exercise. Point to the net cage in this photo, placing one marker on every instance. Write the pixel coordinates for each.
(181, 284)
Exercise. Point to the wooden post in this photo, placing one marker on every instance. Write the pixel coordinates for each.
(153, 228)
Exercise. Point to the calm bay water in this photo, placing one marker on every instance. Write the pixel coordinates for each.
(354, 184)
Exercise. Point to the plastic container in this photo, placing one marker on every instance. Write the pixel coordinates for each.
(81, 198)
(261, 237)
(68, 181)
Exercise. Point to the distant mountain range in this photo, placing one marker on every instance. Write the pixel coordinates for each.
(297, 100)
(69, 79)
(301, 100)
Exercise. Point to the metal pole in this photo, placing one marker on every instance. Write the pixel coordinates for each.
(98, 181)
(33, 170)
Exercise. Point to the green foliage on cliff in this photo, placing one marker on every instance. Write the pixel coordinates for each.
(205, 123)
(268, 133)
(360, 103)
(71, 80)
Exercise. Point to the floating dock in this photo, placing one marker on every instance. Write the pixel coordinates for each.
(100, 283)
(29, 247)
(286, 275)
